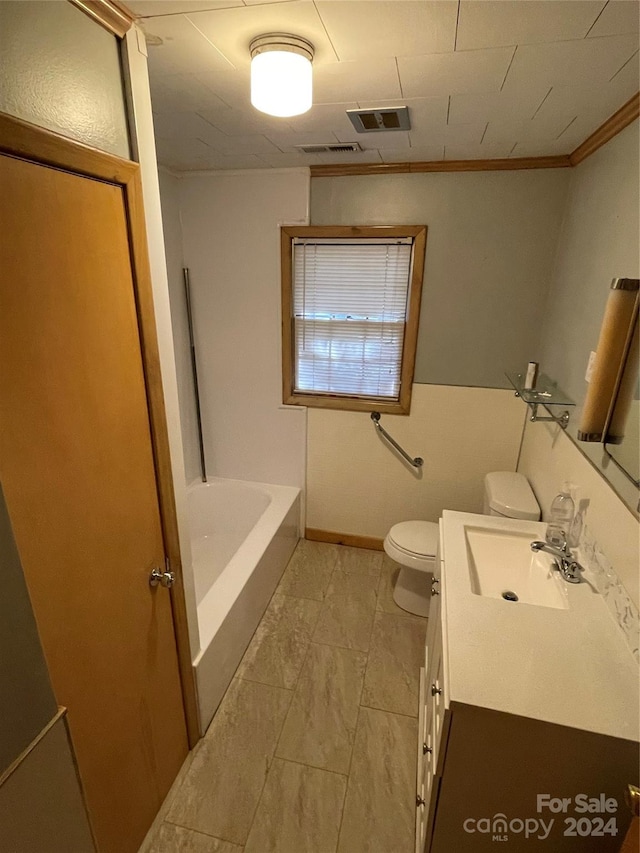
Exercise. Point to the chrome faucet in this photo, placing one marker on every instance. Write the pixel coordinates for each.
(569, 568)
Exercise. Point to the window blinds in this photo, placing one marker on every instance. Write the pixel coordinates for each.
(349, 308)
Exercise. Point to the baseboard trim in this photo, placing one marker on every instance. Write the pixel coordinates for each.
(354, 541)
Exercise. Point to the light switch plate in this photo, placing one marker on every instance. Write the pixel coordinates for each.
(590, 366)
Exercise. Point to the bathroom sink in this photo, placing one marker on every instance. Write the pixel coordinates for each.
(502, 565)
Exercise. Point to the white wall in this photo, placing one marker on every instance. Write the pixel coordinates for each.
(358, 485)
(61, 71)
(490, 248)
(231, 247)
(548, 458)
(170, 197)
(135, 60)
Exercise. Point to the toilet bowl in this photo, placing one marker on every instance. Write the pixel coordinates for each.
(413, 544)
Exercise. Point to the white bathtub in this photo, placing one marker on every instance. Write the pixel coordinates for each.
(242, 536)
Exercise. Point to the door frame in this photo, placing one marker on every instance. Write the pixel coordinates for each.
(27, 141)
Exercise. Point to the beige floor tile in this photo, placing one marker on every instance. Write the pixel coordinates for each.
(220, 793)
(279, 646)
(359, 561)
(177, 839)
(347, 614)
(321, 722)
(300, 811)
(309, 570)
(393, 668)
(379, 810)
(147, 845)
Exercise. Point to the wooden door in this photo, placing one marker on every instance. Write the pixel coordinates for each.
(77, 466)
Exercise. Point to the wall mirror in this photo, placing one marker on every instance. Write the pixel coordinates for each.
(622, 431)
(606, 427)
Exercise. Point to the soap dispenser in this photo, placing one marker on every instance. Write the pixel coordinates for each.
(560, 518)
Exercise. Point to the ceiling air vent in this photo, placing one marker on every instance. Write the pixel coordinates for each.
(373, 121)
(330, 148)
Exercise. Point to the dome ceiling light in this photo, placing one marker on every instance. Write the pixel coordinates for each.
(281, 74)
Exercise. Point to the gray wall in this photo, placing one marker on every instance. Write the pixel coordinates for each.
(61, 71)
(41, 805)
(599, 240)
(490, 250)
(26, 698)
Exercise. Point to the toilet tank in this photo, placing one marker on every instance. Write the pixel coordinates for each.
(509, 494)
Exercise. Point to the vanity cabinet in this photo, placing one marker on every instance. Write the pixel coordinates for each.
(433, 720)
(487, 775)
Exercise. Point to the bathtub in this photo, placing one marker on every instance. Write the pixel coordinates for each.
(242, 536)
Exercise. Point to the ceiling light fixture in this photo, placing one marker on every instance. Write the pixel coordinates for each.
(281, 75)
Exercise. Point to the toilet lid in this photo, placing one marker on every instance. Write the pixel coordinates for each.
(510, 494)
(416, 537)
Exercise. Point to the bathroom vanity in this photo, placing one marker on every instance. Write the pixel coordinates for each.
(528, 715)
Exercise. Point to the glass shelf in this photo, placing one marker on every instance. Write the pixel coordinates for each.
(545, 392)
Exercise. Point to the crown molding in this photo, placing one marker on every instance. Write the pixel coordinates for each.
(110, 14)
(561, 162)
(610, 128)
(223, 173)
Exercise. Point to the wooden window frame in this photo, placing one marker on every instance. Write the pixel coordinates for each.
(418, 234)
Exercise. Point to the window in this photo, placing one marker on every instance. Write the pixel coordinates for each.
(350, 308)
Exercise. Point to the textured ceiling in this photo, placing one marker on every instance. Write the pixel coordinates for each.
(482, 79)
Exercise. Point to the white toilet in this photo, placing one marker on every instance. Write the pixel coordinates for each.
(413, 544)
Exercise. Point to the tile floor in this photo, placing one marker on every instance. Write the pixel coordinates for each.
(313, 748)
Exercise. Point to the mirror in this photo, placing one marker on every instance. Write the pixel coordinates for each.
(605, 424)
(622, 431)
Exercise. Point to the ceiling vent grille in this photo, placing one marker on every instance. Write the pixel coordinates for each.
(374, 121)
(330, 148)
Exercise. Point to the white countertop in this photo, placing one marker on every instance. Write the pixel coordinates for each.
(569, 667)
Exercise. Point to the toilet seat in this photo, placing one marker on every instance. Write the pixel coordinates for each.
(413, 544)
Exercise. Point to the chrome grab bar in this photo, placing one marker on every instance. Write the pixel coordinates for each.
(418, 462)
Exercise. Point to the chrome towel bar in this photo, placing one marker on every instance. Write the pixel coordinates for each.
(418, 462)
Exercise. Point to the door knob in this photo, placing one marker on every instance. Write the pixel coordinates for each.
(165, 578)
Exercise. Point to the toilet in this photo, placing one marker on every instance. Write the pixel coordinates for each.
(413, 544)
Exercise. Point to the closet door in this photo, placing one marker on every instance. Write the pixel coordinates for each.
(77, 467)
